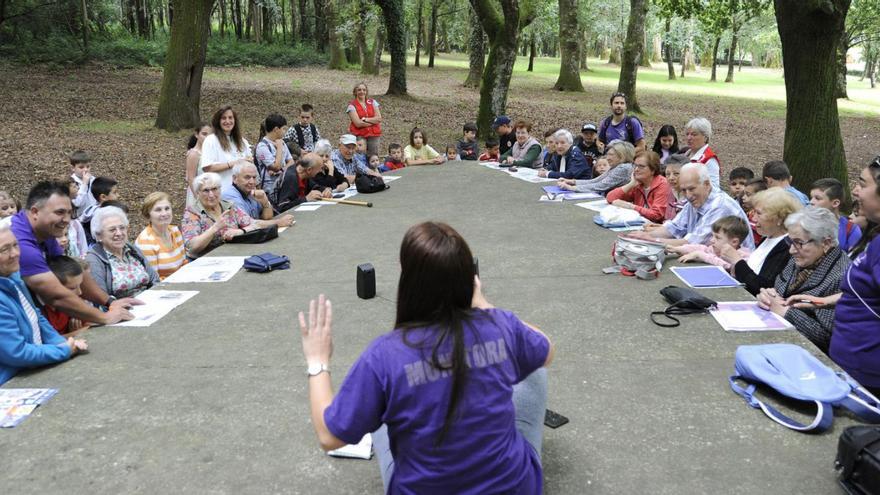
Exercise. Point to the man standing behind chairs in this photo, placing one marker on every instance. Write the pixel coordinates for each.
(243, 193)
(693, 224)
(620, 126)
(46, 217)
(343, 159)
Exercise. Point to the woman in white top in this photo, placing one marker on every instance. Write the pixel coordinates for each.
(698, 133)
(226, 147)
(194, 156)
(768, 260)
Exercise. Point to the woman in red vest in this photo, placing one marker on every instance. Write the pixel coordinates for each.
(365, 118)
(699, 131)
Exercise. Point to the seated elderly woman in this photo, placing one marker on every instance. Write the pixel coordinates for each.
(330, 178)
(767, 261)
(210, 221)
(620, 155)
(816, 267)
(117, 266)
(647, 192)
(569, 162)
(27, 339)
(161, 242)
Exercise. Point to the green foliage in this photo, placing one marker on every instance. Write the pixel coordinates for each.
(127, 51)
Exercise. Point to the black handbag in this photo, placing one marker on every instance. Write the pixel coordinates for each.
(858, 459)
(683, 301)
(368, 184)
(256, 236)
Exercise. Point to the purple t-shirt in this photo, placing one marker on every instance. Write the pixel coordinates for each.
(33, 252)
(395, 384)
(855, 342)
(618, 131)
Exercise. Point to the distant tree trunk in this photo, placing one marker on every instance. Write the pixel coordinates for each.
(531, 53)
(503, 31)
(842, 45)
(284, 19)
(614, 55)
(731, 60)
(392, 11)
(657, 53)
(419, 27)
(378, 47)
(85, 24)
(360, 37)
(337, 53)
(645, 59)
(715, 58)
(668, 51)
(476, 52)
(583, 50)
(257, 20)
(432, 35)
(369, 60)
(184, 64)
(222, 18)
(305, 27)
(632, 53)
(569, 75)
(239, 22)
(810, 33)
(320, 26)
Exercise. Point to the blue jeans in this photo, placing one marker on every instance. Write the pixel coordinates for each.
(529, 401)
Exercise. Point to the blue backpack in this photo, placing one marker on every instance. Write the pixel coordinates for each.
(792, 371)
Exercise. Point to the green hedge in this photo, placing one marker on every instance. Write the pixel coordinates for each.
(131, 52)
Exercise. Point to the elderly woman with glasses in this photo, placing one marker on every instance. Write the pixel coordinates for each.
(209, 222)
(815, 269)
(118, 266)
(620, 155)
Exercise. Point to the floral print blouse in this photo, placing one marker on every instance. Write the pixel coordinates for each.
(129, 275)
(196, 220)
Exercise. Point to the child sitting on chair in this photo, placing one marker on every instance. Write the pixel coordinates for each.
(726, 231)
(493, 151)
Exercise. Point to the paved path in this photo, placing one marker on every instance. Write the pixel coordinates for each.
(213, 399)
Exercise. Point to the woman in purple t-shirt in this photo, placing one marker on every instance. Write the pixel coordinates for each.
(454, 395)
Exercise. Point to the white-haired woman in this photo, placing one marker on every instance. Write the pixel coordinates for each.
(330, 178)
(815, 269)
(117, 266)
(620, 155)
(570, 162)
(209, 222)
(698, 131)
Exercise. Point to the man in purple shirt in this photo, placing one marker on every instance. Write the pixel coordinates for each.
(45, 217)
(620, 126)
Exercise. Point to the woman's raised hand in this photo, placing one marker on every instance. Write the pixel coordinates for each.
(317, 335)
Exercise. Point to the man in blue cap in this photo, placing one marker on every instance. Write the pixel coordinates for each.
(506, 135)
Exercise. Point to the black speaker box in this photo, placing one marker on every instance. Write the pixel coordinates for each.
(366, 281)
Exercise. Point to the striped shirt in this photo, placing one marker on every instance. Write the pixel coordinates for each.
(166, 259)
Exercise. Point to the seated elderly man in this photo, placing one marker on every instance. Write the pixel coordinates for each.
(46, 217)
(693, 224)
(118, 266)
(243, 193)
(344, 162)
(27, 339)
(815, 269)
(571, 163)
(295, 184)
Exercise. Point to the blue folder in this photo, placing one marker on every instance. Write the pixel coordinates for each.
(704, 277)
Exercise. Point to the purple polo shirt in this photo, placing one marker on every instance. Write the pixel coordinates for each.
(394, 383)
(33, 252)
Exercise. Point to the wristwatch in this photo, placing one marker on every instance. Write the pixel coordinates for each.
(316, 369)
(109, 301)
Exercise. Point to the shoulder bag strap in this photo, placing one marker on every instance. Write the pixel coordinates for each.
(821, 422)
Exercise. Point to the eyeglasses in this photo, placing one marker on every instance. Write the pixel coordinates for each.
(799, 244)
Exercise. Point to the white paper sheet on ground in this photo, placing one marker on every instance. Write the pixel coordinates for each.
(16, 404)
(363, 449)
(390, 178)
(747, 316)
(208, 269)
(157, 303)
(529, 175)
(594, 205)
(492, 165)
(311, 206)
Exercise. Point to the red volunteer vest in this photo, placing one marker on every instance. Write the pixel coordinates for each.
(708, 155)
(374, 130)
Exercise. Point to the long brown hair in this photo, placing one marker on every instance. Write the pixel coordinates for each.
(435, 290)
(221, 135)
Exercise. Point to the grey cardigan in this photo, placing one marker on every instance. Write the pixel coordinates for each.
(99, 263)
(815, 324)
(614, 178)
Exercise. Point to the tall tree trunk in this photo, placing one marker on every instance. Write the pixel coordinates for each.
(84, 19)
(657, 52)
(531, 53)
(667, 48)
(569, 75)
(369, 60)
(360, 38)
(583, 50)
(222, 18)
(432, 35)
(184, 64)
(239, 21)
(810, 33)
(257, 20)
(320, 27)
(632, 53)
(392, 11)
(503, 31)
(731, 60)
(645, 59)
(840, 86)
(715, 58)
(305, 27)
(337, 53)
(378, 47)
(419, 27)
(476, 52)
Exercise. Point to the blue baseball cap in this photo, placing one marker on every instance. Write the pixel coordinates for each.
(500, 120)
